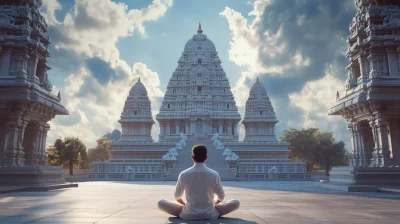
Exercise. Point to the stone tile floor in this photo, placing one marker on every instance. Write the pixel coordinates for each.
(261, 202)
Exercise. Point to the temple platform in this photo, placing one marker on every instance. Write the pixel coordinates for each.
(365, 175)
(271, 202)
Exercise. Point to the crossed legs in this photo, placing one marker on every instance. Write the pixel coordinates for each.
(174, 208)
(170, 207)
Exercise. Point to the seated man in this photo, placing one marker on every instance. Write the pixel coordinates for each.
(199, 183)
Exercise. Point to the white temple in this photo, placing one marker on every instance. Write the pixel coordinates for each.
(198, 108)
(198, 100)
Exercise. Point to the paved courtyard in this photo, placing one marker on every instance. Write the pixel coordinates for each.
(261, 202)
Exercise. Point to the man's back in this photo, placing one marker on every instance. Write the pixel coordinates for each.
(199, 183)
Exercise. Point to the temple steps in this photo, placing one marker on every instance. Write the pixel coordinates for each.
(215, 161)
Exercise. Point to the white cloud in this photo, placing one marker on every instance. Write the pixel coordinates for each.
(296, 50)
(49, 7)
(91, 30)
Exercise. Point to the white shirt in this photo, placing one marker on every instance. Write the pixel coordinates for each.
(199, 183)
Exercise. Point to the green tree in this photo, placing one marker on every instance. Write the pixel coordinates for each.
(101, 151)
(317, 149)
(68, 152)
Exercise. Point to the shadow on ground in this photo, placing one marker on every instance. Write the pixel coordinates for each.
(217, 221)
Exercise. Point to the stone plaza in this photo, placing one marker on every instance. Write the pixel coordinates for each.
(271, 202)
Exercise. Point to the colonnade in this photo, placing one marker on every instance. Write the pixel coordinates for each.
(197, 126)
(375, 142)
(22, 142)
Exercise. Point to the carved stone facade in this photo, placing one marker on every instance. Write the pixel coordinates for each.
(259, 120)
(26, 101)
(371, 100)
(198, 100)
(199, 106)
(136, 120)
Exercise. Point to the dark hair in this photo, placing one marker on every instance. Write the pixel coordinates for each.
(199, 153)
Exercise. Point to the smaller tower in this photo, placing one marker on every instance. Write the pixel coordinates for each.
(136, 120)
(259, 120)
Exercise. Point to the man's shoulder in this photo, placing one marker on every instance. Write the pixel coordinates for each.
(186, 171)
(215, 173)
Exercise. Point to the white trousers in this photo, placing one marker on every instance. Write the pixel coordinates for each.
(174, 208)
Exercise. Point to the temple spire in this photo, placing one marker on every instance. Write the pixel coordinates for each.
(138, 79)
(257, 79)
(199, 30)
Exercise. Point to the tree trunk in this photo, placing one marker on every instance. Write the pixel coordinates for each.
(327, 166)
(71, 167)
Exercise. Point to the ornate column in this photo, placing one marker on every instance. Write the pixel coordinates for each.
(42, 148)
(353, 158)
(362, 137)
(220, 123)
(374, 159)
(30, 144)
(358, 144)
(5, 61)
(384, 152)
(14, 154)
(364, 68)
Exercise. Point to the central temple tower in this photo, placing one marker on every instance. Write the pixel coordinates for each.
(198, 100)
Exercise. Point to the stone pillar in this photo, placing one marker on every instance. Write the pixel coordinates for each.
(230, 128)
(42, 144)
(353, 158)
(5, 61)
(30, 144)
(374, 159)
(362, 132)
(14, 154)
(220, 123)
(384, 152)
(392, 61)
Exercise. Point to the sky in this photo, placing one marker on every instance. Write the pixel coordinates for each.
(99, 48)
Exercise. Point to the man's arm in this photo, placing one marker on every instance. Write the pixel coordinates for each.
(179, 191)
(219, 191)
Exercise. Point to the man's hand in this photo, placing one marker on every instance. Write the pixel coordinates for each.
(217, 201)
(181, 201)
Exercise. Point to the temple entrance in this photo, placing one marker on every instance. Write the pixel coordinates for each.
(199, 126)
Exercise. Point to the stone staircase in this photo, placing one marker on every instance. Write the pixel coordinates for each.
(215, 161)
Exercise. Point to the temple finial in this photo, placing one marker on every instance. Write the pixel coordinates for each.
(199, 30)
(257, 79)
(138, 79)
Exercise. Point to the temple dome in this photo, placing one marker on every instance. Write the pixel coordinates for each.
(138, 90)
(200, 42)
(258, 90)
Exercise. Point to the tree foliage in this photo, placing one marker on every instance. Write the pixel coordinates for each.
(318, 149)
(101, 151)
(68, 152)
(114, 135)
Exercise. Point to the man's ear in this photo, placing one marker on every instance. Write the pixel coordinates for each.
(193, 159)
(206, 158)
